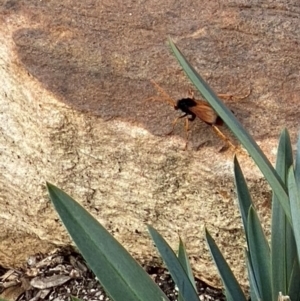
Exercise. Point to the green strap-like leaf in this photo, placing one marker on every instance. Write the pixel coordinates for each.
(184, 261)
(245, 203)
(293, 290)
(235, 126)
(233, 290)
(295, 206)
(121, 276)
(283, 248)
(297, 165)
(260, 255)
(254, 291)
(175, 268)
(243, 194)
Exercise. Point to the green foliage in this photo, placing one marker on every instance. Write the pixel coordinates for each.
(272, 268)
(232, 288)
(238, 130)
(121, 276)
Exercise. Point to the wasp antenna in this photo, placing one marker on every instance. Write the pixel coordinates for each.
(163, 93)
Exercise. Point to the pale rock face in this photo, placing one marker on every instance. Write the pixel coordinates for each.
(75, 111)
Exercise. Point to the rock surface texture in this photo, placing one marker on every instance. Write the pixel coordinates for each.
(77, 109)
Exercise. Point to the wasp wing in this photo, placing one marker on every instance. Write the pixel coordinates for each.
(205, 112)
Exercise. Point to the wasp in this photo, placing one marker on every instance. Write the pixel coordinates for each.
(193, 108)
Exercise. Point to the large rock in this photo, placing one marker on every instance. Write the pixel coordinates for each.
(75, 111)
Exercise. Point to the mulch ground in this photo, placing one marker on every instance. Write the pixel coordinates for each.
(63, 274)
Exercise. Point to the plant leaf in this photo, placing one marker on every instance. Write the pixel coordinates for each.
(121, 276)
(283, 247)
(244, 197)
(297, 165)
(254, 292)
(184, 261)
(175, 268)
(295, 207)
(232, 287)
(235, 126)
(260, 255)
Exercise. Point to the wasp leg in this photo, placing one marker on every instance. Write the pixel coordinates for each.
(174, 123)
(233, 97)
(223, 137)
(225, 96)
(187, 128)
(187, 131)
